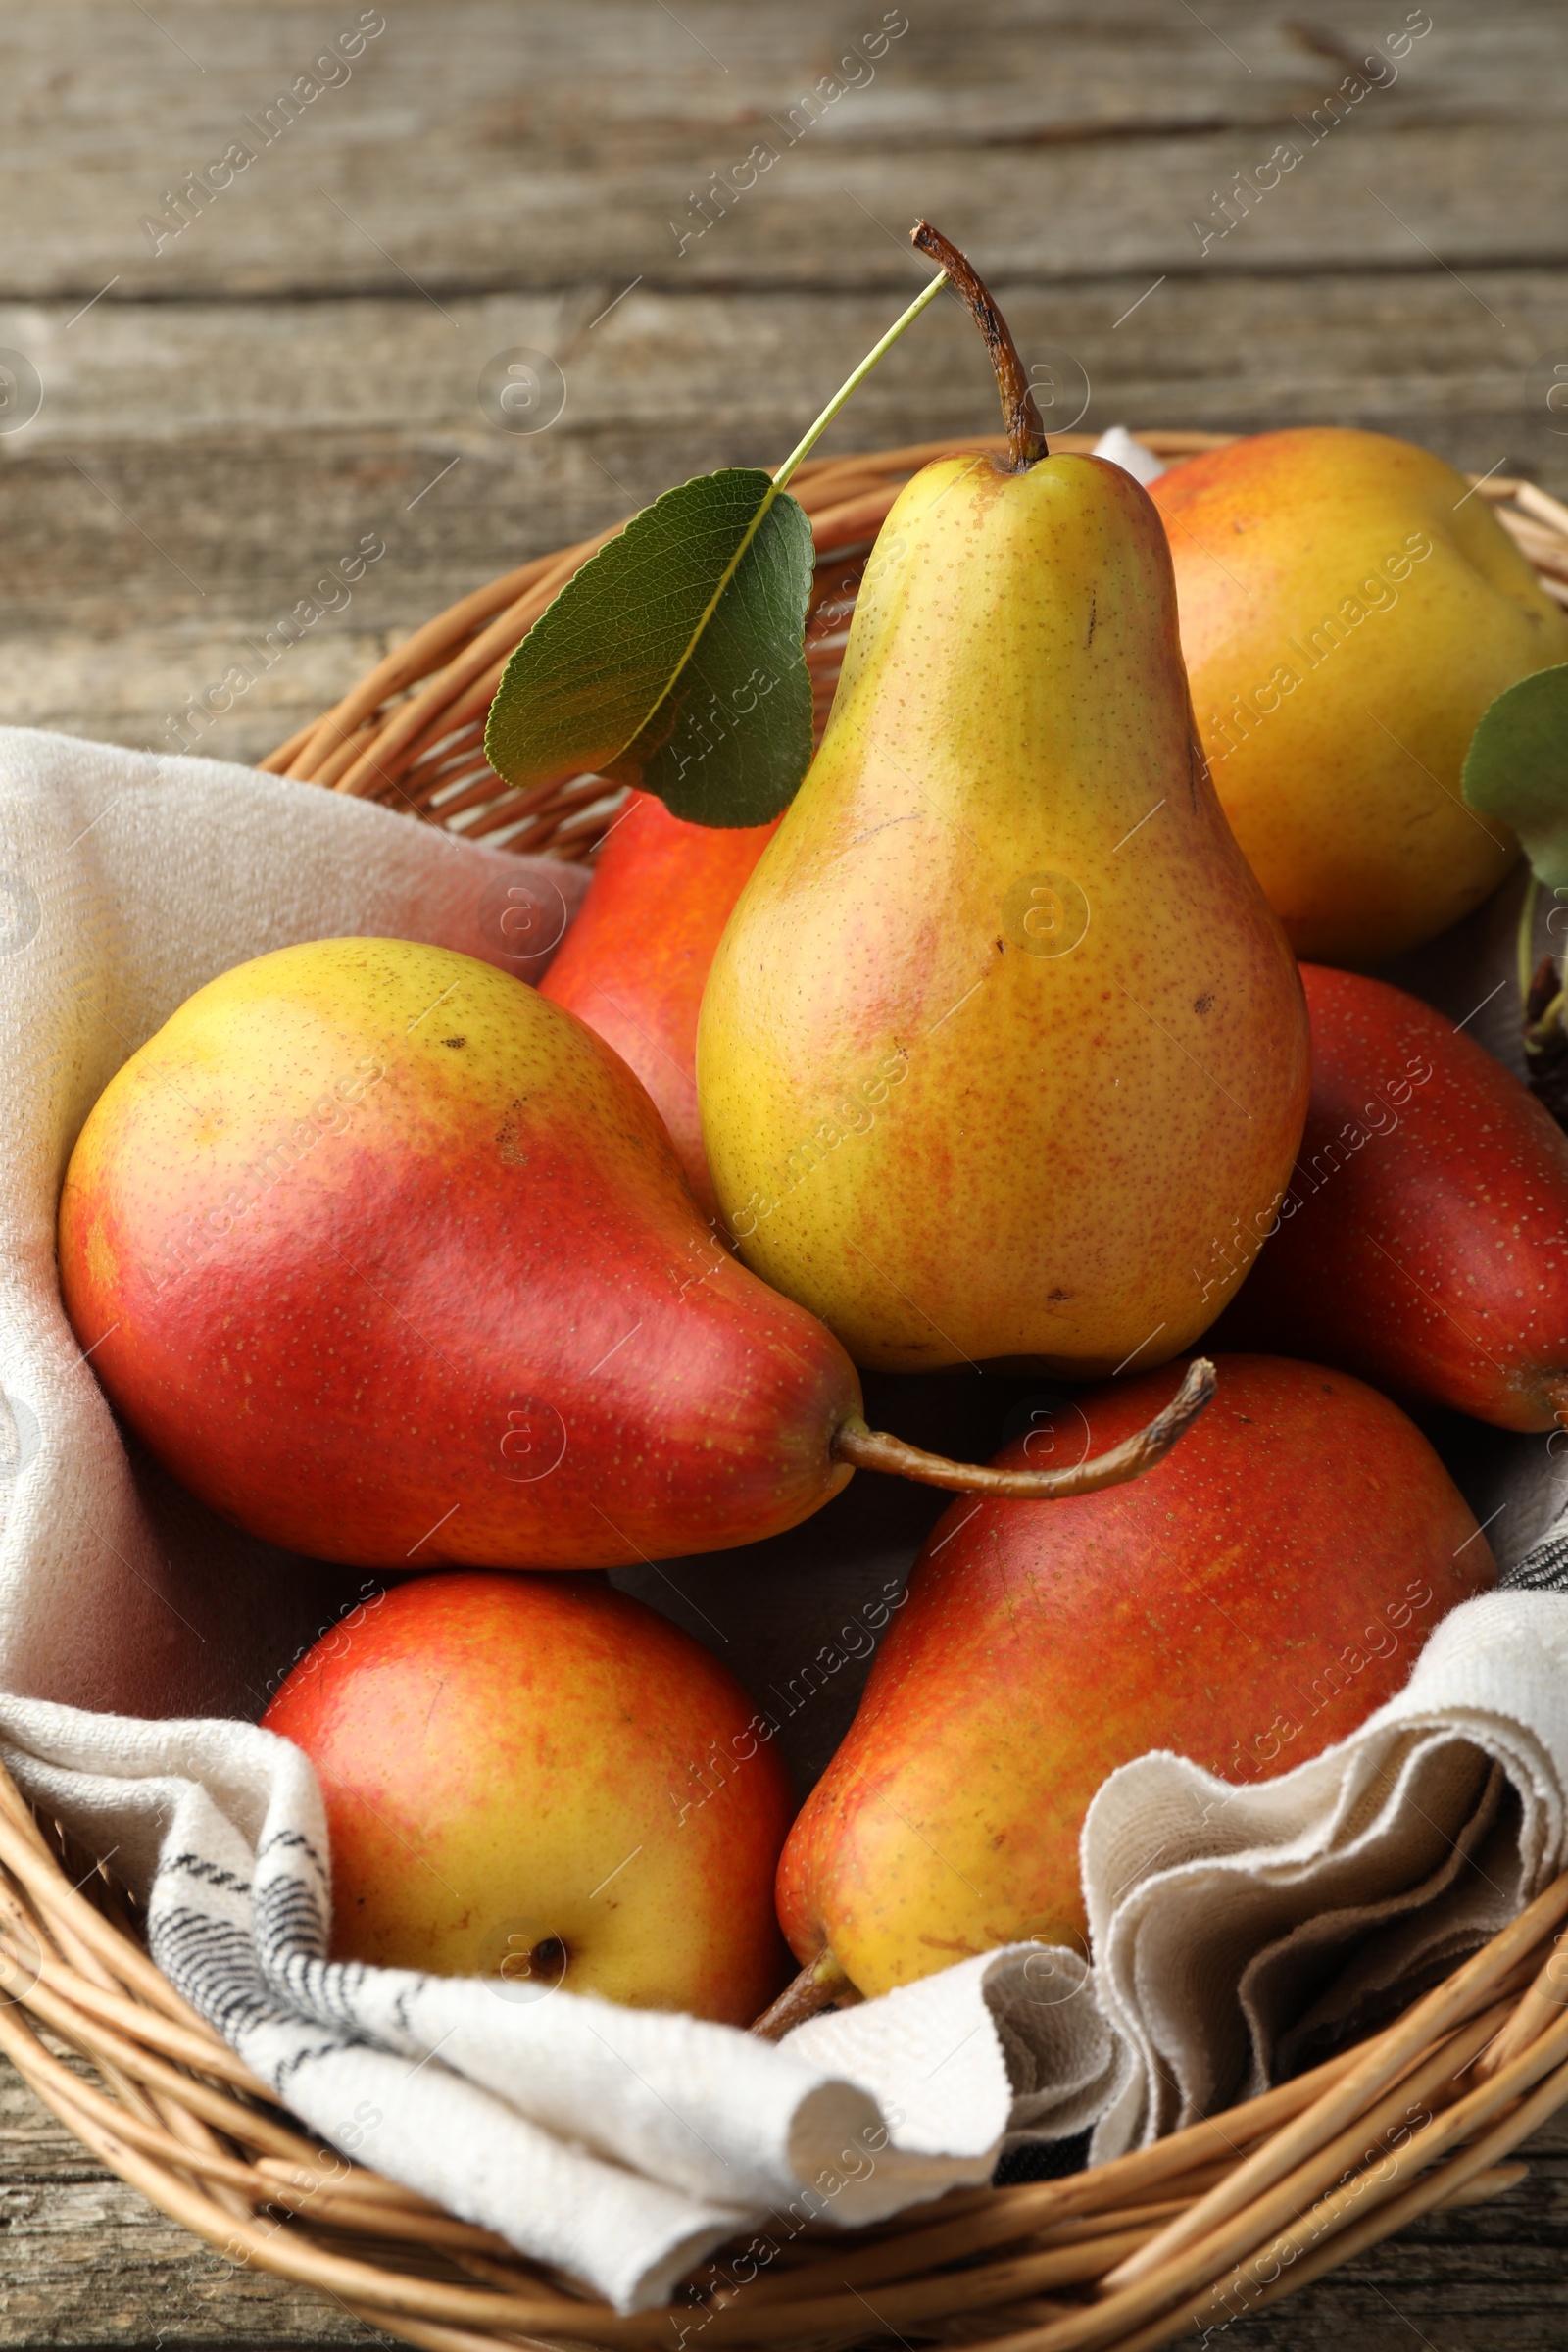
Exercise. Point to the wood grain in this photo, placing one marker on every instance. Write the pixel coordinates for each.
(556, 146)
(297, 368)
(174, 500)
(298, 364)
(85, 2261)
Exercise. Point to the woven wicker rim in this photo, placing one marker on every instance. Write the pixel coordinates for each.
(412, 733)
(1209, 2224)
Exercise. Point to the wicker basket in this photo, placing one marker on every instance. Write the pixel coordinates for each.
(1209, 2223)
(1212, 2223)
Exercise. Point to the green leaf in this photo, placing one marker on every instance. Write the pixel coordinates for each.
(675, 657)
(1516, 768)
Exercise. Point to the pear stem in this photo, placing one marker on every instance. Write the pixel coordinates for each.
(874, 1449)
(1026, 434)
(821, 1985)
(1527, 933)
(803, 447)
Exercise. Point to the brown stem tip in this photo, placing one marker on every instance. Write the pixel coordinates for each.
(821, 1985)
(874, 1449)
(1026, 434)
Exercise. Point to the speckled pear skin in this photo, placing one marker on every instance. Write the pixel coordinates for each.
(1424, 1239)
(1349, 609)
(635, 961)
(1003, 1043)
(392, 1262)
(538, 1743)
(1247, 1603)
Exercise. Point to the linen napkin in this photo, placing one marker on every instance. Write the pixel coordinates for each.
(1235, 1930)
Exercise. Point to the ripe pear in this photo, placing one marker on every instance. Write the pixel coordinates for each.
(636, 959)
(519, 1780)
(1003, 1034)
(1246, 1604)
(391, 1261)
(1423, 1242)
(1349, 609)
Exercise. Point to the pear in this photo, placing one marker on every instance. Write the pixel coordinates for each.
(393, 1262)
(538, 1744)
(1349, 609)
(1251, 1602)
(635, 961)
(1423, 1242)
(1003, 1037)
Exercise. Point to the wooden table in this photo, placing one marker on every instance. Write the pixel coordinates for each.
(241, 383)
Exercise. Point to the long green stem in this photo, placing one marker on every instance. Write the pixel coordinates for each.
(1527, 933)
(804, 448)
(775, 487)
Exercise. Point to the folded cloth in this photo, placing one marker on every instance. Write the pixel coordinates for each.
(1236, 1931)
(617, 2143)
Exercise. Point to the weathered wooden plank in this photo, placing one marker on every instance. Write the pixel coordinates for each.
(1467, 196)
(84, 2261)
(558, 145)
(374, 370)
(197, 469)
(1490, 2279)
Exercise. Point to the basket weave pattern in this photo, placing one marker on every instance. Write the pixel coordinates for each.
(1216, 2221)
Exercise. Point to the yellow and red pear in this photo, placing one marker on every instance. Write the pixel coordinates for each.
(391, 1261)
(1246, 1604)
(1350, 607)
(1003, 1036)
(539, 1779)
